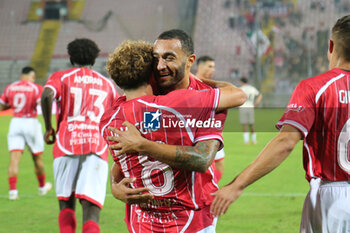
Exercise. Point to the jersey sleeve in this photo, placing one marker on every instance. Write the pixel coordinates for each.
(300, 112)
(208, 114)
(256, 92)
(54, 83)
(114, 90)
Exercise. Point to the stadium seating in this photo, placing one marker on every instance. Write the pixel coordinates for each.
(220, 31)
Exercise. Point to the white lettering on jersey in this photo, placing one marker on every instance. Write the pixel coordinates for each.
(88, 80)
(344, 96)
(21, 88)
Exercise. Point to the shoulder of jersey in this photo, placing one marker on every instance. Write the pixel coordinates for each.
(60, 73)
(321, 79)
(197, 84)
(110, 111)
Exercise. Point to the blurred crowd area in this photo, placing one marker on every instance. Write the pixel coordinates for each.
(275, 43)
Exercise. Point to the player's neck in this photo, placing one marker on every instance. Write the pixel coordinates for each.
(199, 75)
(339, 62)
(139, 92)
(82, 66)
(184, 83)
(24, 78)
(343, 66)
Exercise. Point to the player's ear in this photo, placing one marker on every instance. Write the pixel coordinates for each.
(330, 51)
(330, 46)
(190, 60)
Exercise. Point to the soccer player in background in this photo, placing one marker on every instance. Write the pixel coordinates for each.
(317, 113)
(170, 52)
(180, 202)
(23, 96)
(205, 67)
(80, 153)
(246, 111)
(205, 70)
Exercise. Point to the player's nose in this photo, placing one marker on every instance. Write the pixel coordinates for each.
(161, 64)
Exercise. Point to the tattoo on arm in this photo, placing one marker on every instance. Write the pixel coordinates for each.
(197, 158)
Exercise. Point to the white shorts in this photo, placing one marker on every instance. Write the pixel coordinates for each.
(25, 131)
(246, 116)
(219, 155)
(86, 175)
(326, 208)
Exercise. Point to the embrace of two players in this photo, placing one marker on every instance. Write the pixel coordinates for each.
(170, 169)
(172, 163)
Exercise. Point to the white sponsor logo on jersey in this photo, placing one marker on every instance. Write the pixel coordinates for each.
(295, 107)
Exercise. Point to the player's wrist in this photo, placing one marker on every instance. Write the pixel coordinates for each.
(236, 185)
(144, 146)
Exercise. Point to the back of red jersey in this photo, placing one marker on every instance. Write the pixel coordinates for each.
(166, 119)
(83, 95)
(22, 97)
(320, 109)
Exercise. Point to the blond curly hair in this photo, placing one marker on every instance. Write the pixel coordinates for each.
(130, 65)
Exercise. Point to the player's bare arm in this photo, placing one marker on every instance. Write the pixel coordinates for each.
(121, 189)
(46, 105)
(4, 107)
(258, 100)
(230, 97)
(193, 158)
(275, 152)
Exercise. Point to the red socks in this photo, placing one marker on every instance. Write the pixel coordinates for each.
(13, 182)
(218, 174)
(91, 227)
(67, 221)
(41, 179)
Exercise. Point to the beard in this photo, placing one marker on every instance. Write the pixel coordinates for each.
(177, 76)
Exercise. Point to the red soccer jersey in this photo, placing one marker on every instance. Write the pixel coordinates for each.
(320, 109)
(83, 96)
(23, 97)
(175, 190)
(208, 176)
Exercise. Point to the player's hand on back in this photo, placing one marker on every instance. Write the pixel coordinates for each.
(50, 136)
(224, 197)
(123, 192)
(129, 141)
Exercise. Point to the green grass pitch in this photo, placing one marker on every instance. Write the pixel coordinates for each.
(271, 205)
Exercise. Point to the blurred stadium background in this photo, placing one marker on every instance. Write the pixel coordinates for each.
(275, 43)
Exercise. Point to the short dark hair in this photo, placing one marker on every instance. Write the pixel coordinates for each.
(27, 70)
(341, 37)
(204, 59)
(131, 64)
(244, 80)
(83, 52)
(183, 37)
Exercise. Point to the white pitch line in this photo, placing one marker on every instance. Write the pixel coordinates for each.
(275, 194)
(32, 195)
